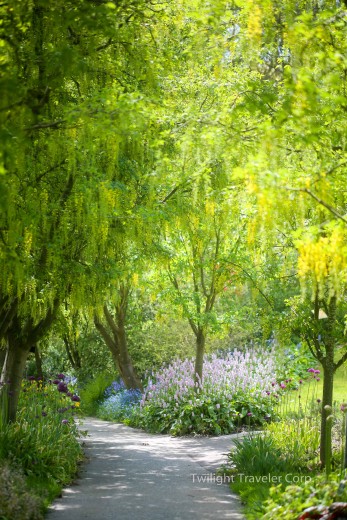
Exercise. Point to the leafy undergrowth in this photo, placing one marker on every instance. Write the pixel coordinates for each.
(277, 472)
(41, 450)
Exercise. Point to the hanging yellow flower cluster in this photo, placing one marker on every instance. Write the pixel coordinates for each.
(324, 260)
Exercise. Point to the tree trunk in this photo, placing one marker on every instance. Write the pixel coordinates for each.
(200, 351)
(327, 402)
(72, 353)
(116, 340)
(328, 385)
(125, 365)
(11, 377)
(38, 360)
(2, 358)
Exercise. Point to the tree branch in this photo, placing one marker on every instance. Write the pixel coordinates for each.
(317, 199)
(340, 361)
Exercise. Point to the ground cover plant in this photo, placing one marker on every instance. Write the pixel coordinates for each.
(41, 450)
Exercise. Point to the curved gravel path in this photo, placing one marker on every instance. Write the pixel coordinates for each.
(132, 475)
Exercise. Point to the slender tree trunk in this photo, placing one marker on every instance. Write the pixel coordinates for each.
(328, 385)
(327, 402)
(12, 375)
(116, 340)
(125, 364)
(72, 353)
(38, 360)
(200, 351)
(2, 358)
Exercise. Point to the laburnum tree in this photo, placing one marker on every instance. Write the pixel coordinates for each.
(201, 249)
(71, 80)
(297, 170)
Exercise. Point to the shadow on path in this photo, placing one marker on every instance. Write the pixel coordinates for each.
(132, 475)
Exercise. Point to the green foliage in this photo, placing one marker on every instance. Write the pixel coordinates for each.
(297, 440)
(233, 393)
(262, 459)
(195, 415)
(293, 362)
(16, 501)
(288, 503)
(39, 454)
(40, 442)
(259, 454)
(93, 392)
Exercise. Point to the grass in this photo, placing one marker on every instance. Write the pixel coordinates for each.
(254, 494)
(310, 391)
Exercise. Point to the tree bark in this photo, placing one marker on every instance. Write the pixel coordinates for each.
(328, 385)
(11, 377)
(2, 358)
(115, 337)
(72, 352)
(38, 361)
(125, 364)
(200, 351)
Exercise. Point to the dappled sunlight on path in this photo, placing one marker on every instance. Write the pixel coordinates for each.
(131, 475)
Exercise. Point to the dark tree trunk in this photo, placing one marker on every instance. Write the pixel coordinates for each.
(200, 351)
(115, 338)
(11, 377)
(2, 359)
(20, 335)
(328, 385)
(125, 364)
(38, 361)
(72, 353)
(327, 402)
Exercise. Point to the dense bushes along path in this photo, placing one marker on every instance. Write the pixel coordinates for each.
(131, 474)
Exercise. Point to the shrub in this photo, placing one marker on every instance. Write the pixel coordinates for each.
(43, 443)
(290, 502)
(238, 388)
(298, 441)
(16, 502)
(93, 393)
(44, 439)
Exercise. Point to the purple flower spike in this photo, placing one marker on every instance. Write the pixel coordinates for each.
(44, 414)
(60, 376)
(249, 414)
(64, 421)
(77, 399)
(311, 370)
(56, 381)
(319, 401)
(31, 378)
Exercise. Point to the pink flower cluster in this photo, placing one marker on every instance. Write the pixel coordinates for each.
(251, 371)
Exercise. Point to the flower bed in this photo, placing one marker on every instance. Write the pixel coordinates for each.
(237, 389)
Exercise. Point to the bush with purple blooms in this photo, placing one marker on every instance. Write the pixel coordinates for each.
(239, 388)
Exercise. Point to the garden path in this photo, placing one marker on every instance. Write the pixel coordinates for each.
(132, 475)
